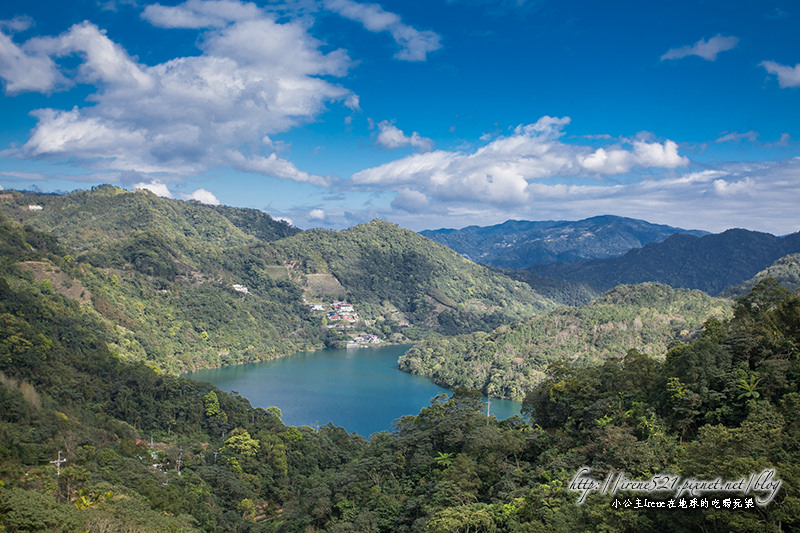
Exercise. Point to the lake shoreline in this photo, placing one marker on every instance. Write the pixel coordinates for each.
(361, 390)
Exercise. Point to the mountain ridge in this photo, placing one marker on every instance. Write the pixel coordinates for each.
(182, 285)
(521, 243)
(709, 263)
(647, 317)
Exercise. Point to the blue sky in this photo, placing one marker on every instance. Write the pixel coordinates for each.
(442, 113)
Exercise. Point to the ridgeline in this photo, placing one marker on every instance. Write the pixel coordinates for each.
(181, 285)
(92, 442)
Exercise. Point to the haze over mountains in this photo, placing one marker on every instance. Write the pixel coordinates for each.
(520, 243)
(573, 262)
(709, 263)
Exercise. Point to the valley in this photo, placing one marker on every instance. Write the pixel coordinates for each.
(107, 296)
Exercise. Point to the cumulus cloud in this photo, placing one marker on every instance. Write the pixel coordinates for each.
(708, 50)
(203, 196)
(504, 172)
(414, 44)
(787, 76)
(23, 69)
(316, 214)
(254, 77)
(391, 137)
(159, 189)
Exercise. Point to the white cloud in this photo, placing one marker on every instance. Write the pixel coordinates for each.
(411, 201)
(203, 196)
(103, 60)
(787, 76)
(733, 195)
(255, 77)
(727, 188)
(161, 189)
(19, 23)
(391, 137)
(316, 214)
(706, 49)
(414, 44)
(504, 172)
(196, 14)
(274, 166)
(157, 188)
(24, 70)
(784, 140)
(735, 136)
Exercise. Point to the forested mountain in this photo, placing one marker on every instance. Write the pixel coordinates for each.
(709, 263)
(142, 451)
(184, 285)
(380, 263)
(519, 244)
(89, 220)
(512, 359)
(572, 293)
(785, 271)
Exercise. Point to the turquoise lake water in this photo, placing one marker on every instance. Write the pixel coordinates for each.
(359, 389)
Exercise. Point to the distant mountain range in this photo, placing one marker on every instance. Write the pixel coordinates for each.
(709, 263)
(519, 244)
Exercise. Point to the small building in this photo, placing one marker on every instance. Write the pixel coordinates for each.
(343, 307)
(34, 207)
(240, 288)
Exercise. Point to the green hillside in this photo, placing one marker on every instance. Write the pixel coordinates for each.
(572, 293)
(709, 263)
(786, 271)
(169, 277)
(385, 267)
(146, 452)
(509, 361)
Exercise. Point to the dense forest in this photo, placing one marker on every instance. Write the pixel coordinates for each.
(507, 362)
(709, 263)
(145, 451)
(162, 274)
(94, 437)
(786, 271)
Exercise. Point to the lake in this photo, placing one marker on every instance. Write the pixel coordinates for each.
(360, 389)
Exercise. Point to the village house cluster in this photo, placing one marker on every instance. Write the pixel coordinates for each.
(364, 340)
(343, 314)
(343, 311)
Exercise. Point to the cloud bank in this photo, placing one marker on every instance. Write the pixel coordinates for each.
(507, 171)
